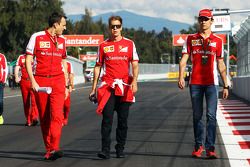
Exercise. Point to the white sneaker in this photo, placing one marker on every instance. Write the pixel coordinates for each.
(1, 120)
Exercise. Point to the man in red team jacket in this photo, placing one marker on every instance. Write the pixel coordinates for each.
(29, 102)
(118, 86)
(70, 83)
(3, 78)
(49, 49)
(206, 51)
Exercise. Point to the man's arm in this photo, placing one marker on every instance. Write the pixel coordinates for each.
(135, 68)
(71, 80)
(65, 67)
(97, 71)
(66, 75)
(17, 68)
(182, 67)
(28, 62)
(223, 74)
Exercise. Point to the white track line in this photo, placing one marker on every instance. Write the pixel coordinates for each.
(237, 156)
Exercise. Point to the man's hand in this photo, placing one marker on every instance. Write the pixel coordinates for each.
(134, 86)
(34, 85)
(92, 97)
(181, 83)
(66, 93)
(225, 93)
(92, 93)
(17, 79)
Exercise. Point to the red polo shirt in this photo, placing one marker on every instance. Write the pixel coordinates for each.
(116, 58)
(3, 69)
(21, 62)
(49, 52)
(196, 47)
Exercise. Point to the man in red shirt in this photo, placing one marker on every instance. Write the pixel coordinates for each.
(70, 83)
(49, 49)
(206, 52)
(29, 102)
(3, 78)
(118, 86)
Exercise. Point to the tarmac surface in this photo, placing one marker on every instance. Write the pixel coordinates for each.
(160, 132)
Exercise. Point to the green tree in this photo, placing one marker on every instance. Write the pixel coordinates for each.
(20, 19)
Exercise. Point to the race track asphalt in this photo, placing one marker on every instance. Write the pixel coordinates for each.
(160, 132)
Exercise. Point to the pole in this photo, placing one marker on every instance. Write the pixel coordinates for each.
(173, 55)
(227, 63)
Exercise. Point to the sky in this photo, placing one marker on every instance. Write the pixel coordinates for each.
(177, 10)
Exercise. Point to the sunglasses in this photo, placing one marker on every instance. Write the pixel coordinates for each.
(116, 26)
(201, 19)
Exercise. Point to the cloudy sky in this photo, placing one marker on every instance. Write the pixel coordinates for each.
(178, 10)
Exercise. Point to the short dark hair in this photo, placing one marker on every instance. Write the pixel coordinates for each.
(111, 18)
(55, 18)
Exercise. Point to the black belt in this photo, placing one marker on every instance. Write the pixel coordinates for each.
(49, 76)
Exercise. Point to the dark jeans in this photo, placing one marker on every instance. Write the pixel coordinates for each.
(122, 109)
(1, 98)
(197, 93)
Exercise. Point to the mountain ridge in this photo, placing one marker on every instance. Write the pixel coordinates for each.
(136, 21)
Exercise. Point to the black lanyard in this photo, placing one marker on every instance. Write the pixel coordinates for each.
(205, 48)
(204, 57)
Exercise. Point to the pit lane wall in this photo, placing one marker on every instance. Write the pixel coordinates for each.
(147, 71)
(241, 87)
(77, 69)
(158, 71)
(241, 83)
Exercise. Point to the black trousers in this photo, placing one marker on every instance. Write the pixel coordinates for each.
(122, 108)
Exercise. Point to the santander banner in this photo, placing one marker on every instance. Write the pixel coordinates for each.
(83, 40)
(179, 39)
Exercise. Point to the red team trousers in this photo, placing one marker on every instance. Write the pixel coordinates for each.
(51, 109)
(29, 102)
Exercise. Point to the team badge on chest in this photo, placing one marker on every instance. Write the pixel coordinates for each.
(109, 49)
(123, 49)
(196, 42)
(44, 44)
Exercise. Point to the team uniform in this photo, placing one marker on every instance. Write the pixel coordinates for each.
(29, 102)
(204, 69)
(3, 78)
(204, 80)
(115, 92)
(66, 108)
(49, 52)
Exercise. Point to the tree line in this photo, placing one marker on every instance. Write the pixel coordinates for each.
(19, 19)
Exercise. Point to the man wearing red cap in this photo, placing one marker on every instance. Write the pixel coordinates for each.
(206, 52)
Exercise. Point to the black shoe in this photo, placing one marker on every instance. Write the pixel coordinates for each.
(34, 122)
(120, 154)
(103, 155)
(27, 124)
(55, 155)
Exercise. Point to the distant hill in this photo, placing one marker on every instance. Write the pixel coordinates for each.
(132, 20)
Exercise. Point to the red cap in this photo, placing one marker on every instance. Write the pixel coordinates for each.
(205, 13)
